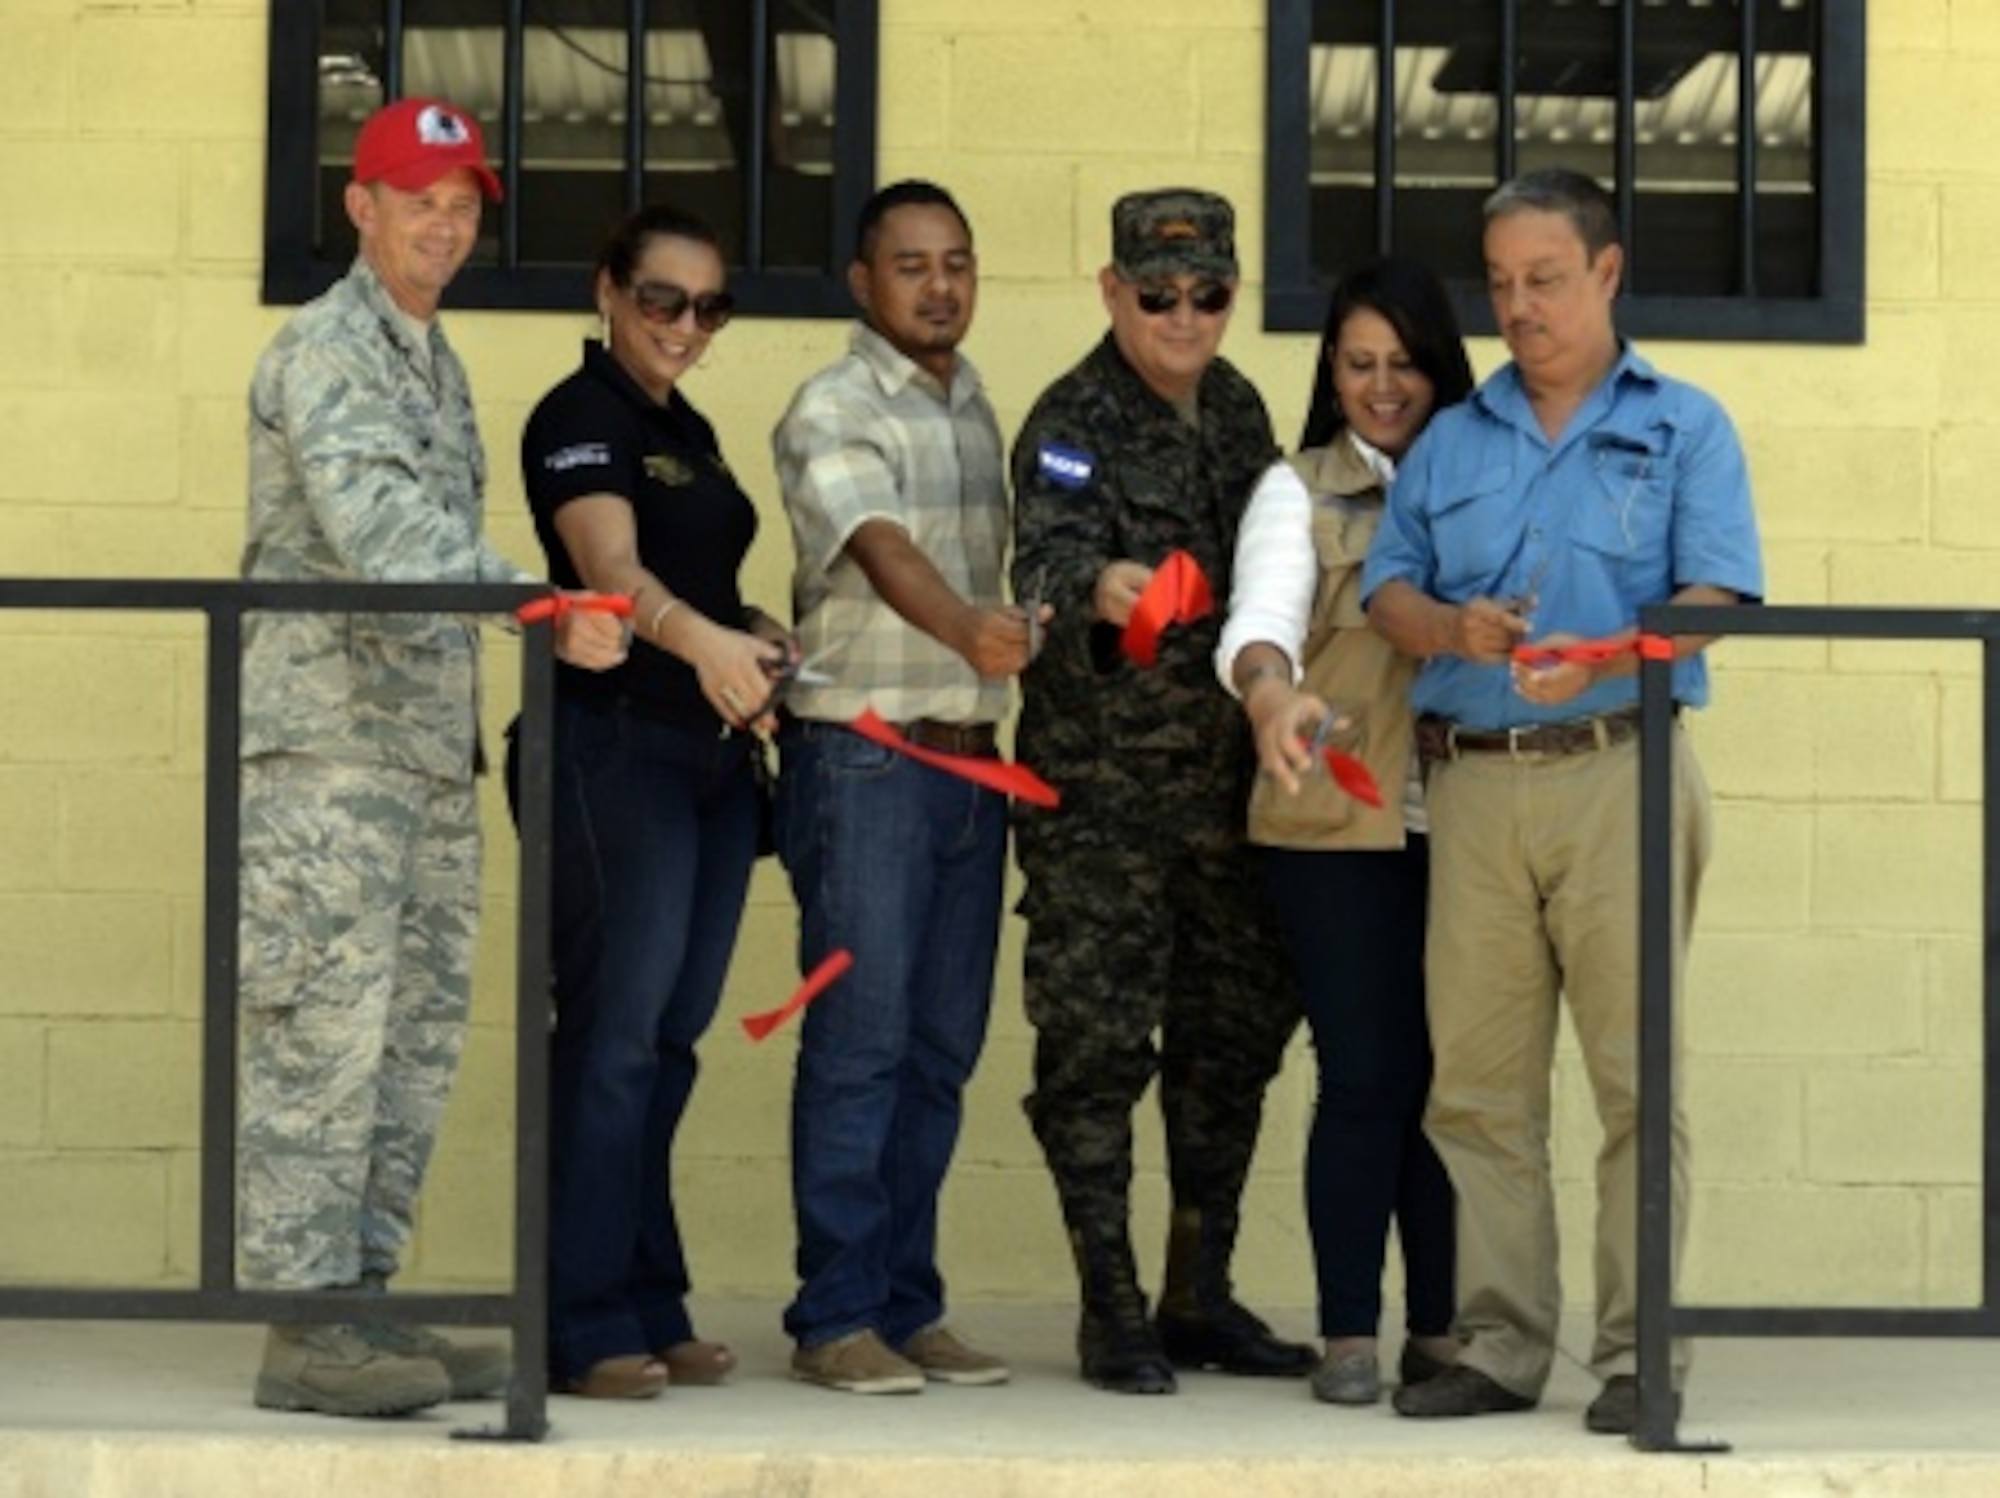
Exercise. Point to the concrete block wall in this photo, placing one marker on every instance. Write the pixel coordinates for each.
(1833, 1017)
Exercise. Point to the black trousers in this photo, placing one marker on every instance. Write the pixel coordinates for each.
(1354, 925)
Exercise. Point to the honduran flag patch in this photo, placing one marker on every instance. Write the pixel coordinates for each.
(1065, 467)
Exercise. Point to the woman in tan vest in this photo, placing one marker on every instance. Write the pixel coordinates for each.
(1349, 878)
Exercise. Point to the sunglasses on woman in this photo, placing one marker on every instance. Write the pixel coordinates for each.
(663, 302)
(1209, 298)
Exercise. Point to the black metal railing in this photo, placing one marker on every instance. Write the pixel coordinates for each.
(1660, 1318)
(215, 1297)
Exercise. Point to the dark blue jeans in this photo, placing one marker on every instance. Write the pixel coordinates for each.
(655, 832)
(1354, 923)
(901, 865)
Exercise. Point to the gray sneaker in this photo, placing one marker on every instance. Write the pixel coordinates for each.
(944, 1359)
(858, 1363)
(477, 1370)
(1351, 1378)
(334, 1370)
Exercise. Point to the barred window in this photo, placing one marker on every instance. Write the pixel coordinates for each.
(1731, 131)
(757, 114)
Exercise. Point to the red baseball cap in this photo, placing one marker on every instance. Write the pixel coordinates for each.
(413, 142)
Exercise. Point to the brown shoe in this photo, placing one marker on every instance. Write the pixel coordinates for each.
(1456, 1392)
(858, 1363)
(697, 1364)
(635, 1376)
(1615, 1410)
(947, 1360)
(1416, 1366)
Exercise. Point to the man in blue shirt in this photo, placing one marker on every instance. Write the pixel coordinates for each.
(1575, 486)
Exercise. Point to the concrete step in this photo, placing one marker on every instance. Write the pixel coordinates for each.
(142, 1410)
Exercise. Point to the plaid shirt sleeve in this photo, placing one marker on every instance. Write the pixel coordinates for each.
(837, 475)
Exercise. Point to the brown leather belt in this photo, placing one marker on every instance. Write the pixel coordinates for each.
(976, 739)
(1440, 738)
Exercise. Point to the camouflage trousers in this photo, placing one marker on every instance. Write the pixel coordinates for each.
(1141, 924)
(359, 911)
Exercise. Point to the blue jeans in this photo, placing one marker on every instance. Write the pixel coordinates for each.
(901, 865)
(655, 832)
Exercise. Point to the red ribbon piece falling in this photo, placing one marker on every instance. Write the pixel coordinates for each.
(818, 981)
(1353, 777)
(1592, 652)
(558, 604)
(1017, 781)
(1177, 594)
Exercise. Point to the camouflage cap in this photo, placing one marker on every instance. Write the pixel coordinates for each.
(1173, 231)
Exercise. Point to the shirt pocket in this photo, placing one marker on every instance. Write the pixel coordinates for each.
(1341, 532)
(1626, 519)
(411, 671)
(1473, 533)
(1158, 511)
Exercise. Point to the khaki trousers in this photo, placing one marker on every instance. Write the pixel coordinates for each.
(1535, 898)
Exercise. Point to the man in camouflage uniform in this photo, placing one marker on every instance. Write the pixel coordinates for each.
(360, 834)
(1145, 911)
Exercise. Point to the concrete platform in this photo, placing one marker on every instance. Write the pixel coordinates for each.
(141, 1410)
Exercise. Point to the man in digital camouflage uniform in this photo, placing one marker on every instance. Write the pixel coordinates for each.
(1145, 912)
(360, 834)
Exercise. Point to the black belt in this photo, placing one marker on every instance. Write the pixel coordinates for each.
(979, 740)
(1440, 738)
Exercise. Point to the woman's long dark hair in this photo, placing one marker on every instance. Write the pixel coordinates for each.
(1413, 302)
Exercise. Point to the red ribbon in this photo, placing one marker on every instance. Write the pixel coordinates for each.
(823, 977)
(1353, 777)
(1592, 652)
(558, 604)
(1017, 781)
(1178, 593)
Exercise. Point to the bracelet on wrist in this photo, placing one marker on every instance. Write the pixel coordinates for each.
(1264, 671)
(659, 618)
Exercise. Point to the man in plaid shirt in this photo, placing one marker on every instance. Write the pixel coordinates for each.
(891, 465)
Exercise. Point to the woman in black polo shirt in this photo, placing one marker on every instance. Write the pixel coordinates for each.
(656, 807)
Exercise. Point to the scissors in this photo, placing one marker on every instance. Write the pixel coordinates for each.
(790, 672)
(1323, 734)
(1348, 772)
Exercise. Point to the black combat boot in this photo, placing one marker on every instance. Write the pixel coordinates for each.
(1115, 1342)
(1201, 1324)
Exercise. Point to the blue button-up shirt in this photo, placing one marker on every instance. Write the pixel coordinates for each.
(1643, 494)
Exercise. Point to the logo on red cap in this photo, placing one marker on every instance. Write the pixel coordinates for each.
(438, 126)
(413, 142)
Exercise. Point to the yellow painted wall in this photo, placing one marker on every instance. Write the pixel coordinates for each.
(1834, 1014)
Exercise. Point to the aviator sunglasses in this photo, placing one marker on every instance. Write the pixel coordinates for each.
(1209, 298)
(663, 302)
